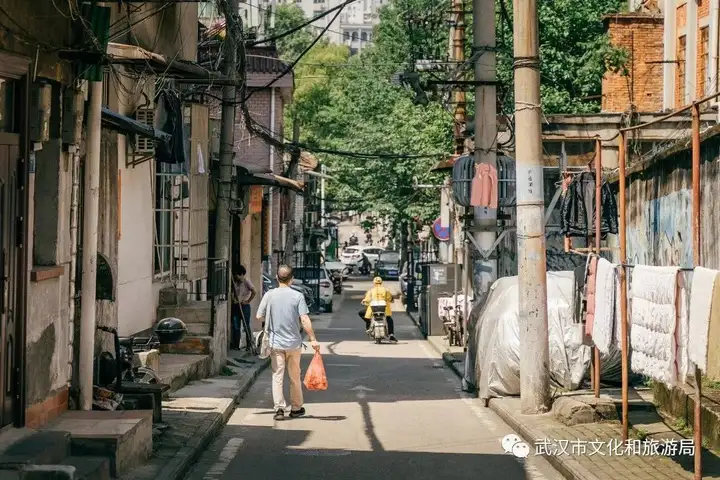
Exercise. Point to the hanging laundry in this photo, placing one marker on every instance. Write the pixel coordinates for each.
(701, 298)
(578, 208)
(169, 119)
(605, 302)
(682, 330)
(653, 322)
(484, 187)
(713, 354)
(579, 293)
(590, 287)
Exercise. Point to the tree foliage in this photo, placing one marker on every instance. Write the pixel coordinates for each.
(288, 17)
(350, 103)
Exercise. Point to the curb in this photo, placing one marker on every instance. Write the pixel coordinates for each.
(185, 458)
(449, 360)
(527, 435)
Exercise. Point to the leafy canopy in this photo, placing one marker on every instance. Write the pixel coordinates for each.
(350, 103)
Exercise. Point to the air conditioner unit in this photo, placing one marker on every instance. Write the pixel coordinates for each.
(144, 145)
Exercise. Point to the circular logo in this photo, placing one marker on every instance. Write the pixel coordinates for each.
(440, 232)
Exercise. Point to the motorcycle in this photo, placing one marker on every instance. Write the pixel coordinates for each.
(123, 365)
(378, 325)
(337, 279)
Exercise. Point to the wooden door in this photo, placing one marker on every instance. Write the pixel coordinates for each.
(9, 154)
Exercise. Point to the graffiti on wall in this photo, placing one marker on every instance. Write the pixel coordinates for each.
(660, 233)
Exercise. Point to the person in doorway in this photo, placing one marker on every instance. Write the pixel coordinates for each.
(243, 293)
(378, 292)
(284, 308)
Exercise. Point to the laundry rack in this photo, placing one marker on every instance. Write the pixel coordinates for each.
(697, 260)
(597, 161)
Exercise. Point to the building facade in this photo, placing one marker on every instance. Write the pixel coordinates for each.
(672, 48)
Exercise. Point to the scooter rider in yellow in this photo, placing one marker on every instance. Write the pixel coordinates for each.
(378, 292)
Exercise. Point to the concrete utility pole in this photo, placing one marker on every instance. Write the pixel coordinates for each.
(484, 271)
(91, 207)
(534, 359)
(227, 131)
(99, 16)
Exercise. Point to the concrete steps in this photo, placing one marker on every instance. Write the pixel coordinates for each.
(46, 455)
(123, 438)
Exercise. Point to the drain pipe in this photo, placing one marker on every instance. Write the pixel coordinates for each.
(74, 207)
(270, 192)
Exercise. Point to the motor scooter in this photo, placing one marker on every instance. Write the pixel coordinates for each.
(378, 325)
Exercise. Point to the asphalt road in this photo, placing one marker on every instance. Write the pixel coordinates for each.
(390, 412)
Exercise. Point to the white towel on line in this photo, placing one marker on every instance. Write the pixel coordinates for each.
(701, 295)
(682, 331)
(653, 322)
(605, 305)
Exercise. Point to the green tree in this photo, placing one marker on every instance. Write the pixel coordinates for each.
(288, 17)
(574, 53)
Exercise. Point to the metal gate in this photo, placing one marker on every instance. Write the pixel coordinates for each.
(307, 268)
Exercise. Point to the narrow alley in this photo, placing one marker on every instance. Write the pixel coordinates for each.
(391, 411)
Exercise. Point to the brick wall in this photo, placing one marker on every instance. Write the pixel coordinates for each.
(642, 36)
(703, 48)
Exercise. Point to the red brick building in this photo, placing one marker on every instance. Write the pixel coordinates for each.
(673, 55)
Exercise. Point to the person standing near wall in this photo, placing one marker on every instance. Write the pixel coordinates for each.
(243, 293)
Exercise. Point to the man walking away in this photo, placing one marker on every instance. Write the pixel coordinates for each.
(243, 293)
(281, 308)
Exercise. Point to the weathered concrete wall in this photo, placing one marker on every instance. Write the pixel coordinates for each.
(170, 30)
(659, 207)
(50, 332)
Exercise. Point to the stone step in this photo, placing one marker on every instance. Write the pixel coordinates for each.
(201, 329)
(40, 448)
(89, 467)
(124, 437)
(191, 344)
(193, 312)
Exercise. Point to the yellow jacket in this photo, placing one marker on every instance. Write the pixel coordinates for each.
(378, 293)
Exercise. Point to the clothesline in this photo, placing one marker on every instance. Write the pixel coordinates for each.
(684, 269)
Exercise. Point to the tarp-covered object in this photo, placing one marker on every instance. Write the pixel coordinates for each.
(497, 361)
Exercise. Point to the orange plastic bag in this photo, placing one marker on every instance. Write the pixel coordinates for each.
(315, 378)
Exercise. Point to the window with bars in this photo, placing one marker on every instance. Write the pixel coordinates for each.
(681, 69)
(704, 57)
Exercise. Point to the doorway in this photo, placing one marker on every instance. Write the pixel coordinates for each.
(9, 156)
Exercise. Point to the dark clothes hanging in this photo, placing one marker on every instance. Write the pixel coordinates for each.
(579, 293)
(578, 208)
(169, 118)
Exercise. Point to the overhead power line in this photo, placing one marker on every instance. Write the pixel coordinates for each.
(289, 68)
(305, 24)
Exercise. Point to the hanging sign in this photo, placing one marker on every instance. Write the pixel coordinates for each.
(440, 232)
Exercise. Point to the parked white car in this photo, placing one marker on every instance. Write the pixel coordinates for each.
(352, 256)
(323, 277)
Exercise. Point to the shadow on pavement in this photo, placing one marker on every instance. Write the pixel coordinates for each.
(273, 454)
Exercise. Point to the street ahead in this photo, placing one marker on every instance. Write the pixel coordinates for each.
(390, 412)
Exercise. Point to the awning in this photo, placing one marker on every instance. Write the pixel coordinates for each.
(125, 124)
(270, 180)
(251, 168)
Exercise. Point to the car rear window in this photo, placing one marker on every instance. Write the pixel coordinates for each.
(304, 273)
(350, 250)
(389, 257)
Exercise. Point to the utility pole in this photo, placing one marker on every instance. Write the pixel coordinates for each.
(457, 47)
(227, 130)
(534, 360)
(99, 17)
(484, 271)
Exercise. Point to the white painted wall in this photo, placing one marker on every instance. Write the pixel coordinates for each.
(136, 295)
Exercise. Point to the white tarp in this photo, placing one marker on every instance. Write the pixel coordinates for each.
(497, 368)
